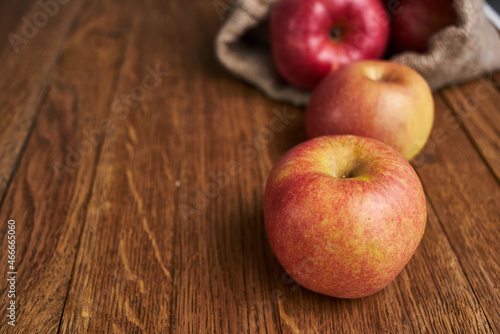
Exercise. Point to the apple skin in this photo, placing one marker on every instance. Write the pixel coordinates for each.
(344, 237)
(414, 22)
(302, 47)
(383, 100)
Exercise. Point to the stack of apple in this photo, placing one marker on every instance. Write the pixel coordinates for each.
(345, 211)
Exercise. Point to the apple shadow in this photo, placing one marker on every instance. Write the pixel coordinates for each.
(259, 281)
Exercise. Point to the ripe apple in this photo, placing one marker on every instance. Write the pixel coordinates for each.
(310, 38)
(414, 22)
(344, 214)
(378, 99)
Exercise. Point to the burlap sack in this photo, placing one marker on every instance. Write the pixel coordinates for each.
(456, 54)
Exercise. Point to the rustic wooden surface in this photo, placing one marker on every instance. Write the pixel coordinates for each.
(116, 120)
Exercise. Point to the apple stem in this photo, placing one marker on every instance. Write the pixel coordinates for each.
(336, 33)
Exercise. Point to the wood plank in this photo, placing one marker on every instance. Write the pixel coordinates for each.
(209, 295)
(229, 259)
(466, 198)
(122, 281)
(223, 264)
(435, 290)
(24, 80)
(476, 105)
(49, 201)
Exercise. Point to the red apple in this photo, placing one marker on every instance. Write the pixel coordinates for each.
(344, 214)
(378, 99)
(414, 22)
(310, 38)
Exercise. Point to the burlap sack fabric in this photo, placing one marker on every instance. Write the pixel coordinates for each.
(456, 54)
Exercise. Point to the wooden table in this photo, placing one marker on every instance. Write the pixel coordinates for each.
(134, 166)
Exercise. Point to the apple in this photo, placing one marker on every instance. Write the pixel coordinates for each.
(383, 100)
(310, 38)
(414, 22)
(344, 214)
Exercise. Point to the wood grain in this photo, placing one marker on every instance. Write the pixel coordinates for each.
(476, 106)
(25, 78)
(123, 271)
(49, 201)
(466, 198)
(435, 290)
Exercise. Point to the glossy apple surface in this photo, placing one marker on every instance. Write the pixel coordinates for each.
(310, 38)
(378, 99)
(344, 214)
(414, 22)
